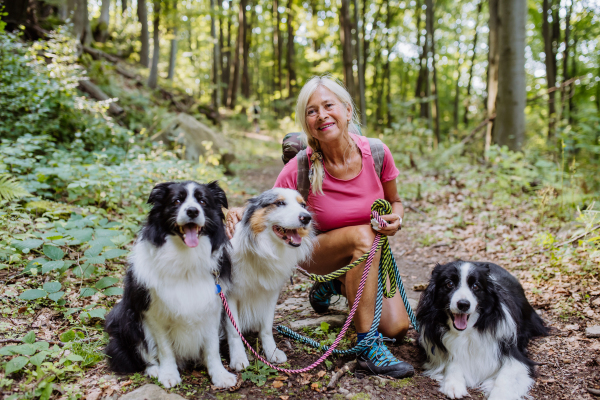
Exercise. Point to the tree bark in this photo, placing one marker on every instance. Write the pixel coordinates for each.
(361, 67)
(566, 75)
(124, 7)
(291, 52)
(216, 55)
(239, 48)
(173, 52)
(101, 30)
(510, 106)
(278, 48)
(227, 53)
(142, 12)
(456, 86)
(247, 38)
(468, 98)
(430, 18)
(153, 78)
(97, 93)
(550, 47)
(492, 72)
(346, 40)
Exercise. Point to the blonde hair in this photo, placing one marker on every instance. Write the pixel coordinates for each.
(338, 89)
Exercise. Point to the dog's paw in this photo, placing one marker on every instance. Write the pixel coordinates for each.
(224, 379)
(239, 362)
(277, 356)
(454, 389)
(152, 371)
(169, 378)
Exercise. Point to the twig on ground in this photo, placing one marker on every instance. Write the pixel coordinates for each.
(415, 209)
(349, 366)
(477, 129)
(563, 243)
(595, 392)
(58, 343)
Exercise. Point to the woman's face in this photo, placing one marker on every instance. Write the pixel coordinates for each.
(326, 116)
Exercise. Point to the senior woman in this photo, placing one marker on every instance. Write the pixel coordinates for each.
(343, 186)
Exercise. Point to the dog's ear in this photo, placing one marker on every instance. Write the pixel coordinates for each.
(159, 193)
(218, 194)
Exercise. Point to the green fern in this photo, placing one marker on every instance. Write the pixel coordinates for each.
(10, 188)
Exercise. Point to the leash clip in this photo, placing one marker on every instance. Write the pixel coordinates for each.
(217, 286)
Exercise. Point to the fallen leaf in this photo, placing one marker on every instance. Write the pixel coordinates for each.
(321, 374)
(282, 378)
(284, 397)
(197, 374)
(22, 310)
(93, 394)
(126, 383)
(277, 384)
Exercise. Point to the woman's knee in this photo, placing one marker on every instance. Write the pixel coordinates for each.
(395, 328)
(362, 239)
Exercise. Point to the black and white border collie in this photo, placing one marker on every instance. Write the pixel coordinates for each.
(274, 235)
(170, 313)
(475, 326)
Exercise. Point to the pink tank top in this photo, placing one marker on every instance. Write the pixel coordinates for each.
(345, 202)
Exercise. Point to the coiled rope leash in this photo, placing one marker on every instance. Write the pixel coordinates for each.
(388, 270)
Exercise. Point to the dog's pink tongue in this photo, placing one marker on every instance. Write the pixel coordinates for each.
(190, 236)
(460, 321)
(295, 236)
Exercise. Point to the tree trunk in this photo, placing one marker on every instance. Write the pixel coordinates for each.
(361, 68)
(153, 78)
(124, 7)
(430, 18)
(566, 75)
(278, 48)
(227, 53)
(101, 30)
(510, 106)
(291, 50)
(550, 47)
(239, 48)
(216, 55)
(468, 98)
(492, 72)
(142, 12)
(173, 52)
(246, 83)
(457, 87)
(346, 40)
(572, 105)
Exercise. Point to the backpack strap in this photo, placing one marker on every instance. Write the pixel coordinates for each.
(378, 153)
(303, 182)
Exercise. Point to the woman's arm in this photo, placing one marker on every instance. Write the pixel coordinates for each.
(390, 192)
(234, 215)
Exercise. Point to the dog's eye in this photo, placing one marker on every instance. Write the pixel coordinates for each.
(476, 286)
(202, 202)
(177, 201)
(280, 203)
(449, 284)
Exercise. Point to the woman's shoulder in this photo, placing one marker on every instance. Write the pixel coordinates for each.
(288, 176)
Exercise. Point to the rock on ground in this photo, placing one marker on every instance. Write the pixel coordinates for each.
(332, 320)
(593, 331)
(150, 392)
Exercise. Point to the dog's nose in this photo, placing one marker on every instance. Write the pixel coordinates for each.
(192, 212)
(305, 218)
(463, 305)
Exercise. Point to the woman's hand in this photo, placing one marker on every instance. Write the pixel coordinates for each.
(394, 224)
(234, 215)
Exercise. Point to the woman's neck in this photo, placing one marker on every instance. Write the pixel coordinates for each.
(336, 152)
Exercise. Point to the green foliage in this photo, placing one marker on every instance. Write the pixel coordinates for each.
(11, 189)
(259, 373)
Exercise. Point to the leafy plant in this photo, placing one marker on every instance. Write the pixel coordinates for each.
(259, 373)
(10, 188)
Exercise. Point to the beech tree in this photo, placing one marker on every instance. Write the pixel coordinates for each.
(153, 78)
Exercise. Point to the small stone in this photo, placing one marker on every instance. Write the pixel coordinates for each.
(343, 391)
(94, 394)
(332, 320)
(150, 392)
(368, 388)
(592, 331)
(573, 327)
(413, 304)
(349, 396)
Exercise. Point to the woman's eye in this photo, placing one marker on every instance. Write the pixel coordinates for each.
(310, 112)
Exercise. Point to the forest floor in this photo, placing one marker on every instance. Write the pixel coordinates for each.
(569, 363)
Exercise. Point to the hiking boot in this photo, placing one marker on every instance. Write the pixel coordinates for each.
(320, 296)
(378, 360)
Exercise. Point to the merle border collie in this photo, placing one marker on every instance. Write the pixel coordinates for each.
(475, 326)
(170, 314)
(274, 235)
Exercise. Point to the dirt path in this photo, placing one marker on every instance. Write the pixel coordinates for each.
(568, 361)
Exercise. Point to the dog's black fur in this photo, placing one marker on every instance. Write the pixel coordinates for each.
(497, 287)
(124, 323)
